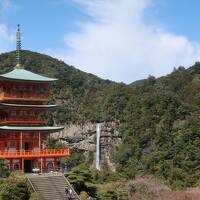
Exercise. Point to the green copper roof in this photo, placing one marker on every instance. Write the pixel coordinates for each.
(25, 75)
(31, 128)
(26, 106)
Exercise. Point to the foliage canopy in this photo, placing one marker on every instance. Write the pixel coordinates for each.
(159, 118)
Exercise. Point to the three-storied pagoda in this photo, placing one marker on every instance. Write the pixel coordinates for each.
(23, 97)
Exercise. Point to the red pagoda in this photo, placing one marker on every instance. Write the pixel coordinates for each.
(23, 98)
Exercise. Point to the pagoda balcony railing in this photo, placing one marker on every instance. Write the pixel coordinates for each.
(47, 153)
(21, 121)
(22, 97)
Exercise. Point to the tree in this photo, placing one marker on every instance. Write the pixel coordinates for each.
(81, 178)
(3, 168)
(14, 188)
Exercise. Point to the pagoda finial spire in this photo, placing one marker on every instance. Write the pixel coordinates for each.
(18, 47)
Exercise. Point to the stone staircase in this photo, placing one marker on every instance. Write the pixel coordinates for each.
(51, 186)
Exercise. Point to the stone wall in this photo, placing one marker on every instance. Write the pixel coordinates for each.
(83, 137)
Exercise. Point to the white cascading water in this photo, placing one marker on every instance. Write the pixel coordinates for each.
(98, 134)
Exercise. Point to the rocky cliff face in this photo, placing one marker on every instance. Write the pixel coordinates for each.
(83, 137)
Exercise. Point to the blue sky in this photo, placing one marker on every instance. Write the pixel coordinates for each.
(179, 16)
(121, 40)
(43, 23)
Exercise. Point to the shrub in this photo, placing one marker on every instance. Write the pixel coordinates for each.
(35, 196)
(14, 187)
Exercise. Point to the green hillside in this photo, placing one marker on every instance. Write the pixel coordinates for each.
(159, 118)
(77, 93)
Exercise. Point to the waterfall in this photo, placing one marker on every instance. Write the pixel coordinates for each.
(98, 133)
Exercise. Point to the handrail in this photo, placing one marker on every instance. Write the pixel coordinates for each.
(3, 98)
(30, 184)
(23, 97)
(69, 184)
(35, 153)
(20, 118)
(22, 121)
(19, 95)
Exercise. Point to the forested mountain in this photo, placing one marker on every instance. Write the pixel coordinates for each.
(159, 119)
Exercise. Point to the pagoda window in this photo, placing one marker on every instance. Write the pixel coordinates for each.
(49, 166)
(35, 145)
(12, 145)
(21, 113)
(41, 91)
(14, 87)
(25, 114)
(13, 114)
(35, 164)
(32, 114)
(27, 135)
(12, 136)
(16, 166)
(35, 136)
(22, 89)
(31, 88)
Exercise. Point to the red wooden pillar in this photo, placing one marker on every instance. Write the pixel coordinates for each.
(21, 141)
(22, 166)
(45, 165)
(41, 167)
(11, 164)
(39, 142)
(54, 164)
(21, 147)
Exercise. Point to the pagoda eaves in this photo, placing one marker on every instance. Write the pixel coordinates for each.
(27, 106)
(48, 129)
(25, 75)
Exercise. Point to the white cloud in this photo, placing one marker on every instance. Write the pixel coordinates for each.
(119, 45)
(5, 5)
(6, 38)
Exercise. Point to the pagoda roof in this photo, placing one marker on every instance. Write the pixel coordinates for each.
(27, 105)
(31, 128)
(25, 75)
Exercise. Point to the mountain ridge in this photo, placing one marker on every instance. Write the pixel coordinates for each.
(158, 118)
